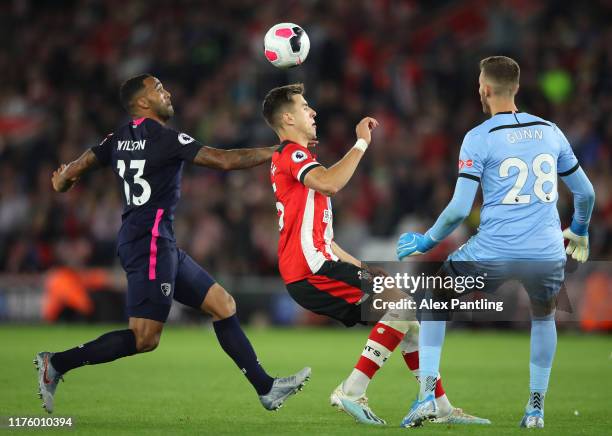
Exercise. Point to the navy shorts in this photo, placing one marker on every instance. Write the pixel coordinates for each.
(157, 272)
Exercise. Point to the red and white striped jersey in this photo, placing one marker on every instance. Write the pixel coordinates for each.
(304, 215)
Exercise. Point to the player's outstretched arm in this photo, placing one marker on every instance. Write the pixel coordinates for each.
(413, 244)
(328, 181)
(584, 199)
(233, 159)
(66, 175)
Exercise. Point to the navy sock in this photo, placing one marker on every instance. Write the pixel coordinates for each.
(106, 348)
(235, 343)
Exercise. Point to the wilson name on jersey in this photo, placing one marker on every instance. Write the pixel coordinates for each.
(147, 158)
(305, 217)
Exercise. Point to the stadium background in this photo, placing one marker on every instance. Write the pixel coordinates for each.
(413, 65)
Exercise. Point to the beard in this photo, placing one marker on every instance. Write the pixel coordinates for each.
(165, 111)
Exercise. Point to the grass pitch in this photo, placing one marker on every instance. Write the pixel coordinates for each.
(189, 386)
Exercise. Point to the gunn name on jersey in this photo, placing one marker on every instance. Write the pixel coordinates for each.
(521, 135)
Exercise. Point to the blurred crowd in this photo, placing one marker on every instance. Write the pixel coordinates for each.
(413, 65)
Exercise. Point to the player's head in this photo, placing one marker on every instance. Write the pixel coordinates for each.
(288, 113)
(499, 79)
(144, 95)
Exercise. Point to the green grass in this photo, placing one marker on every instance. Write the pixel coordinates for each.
(188, 386)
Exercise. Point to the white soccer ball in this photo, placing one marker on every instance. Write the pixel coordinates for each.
(286, 45)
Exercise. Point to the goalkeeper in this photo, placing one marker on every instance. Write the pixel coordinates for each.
(515, 157)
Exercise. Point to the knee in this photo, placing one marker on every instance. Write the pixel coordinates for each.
(219, 303)
(543, 310)
(146, 340)
(225, 308)
(543, 317)
(400, 325)
(229, 306)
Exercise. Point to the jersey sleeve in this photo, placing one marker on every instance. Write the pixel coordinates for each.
(567, 162)
(472, 156)
(299, 163)
(456, 211)
(584, 200)
(103, 151)
(182, 146)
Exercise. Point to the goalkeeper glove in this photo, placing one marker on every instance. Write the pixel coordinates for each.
(414, 244)
(578, 237)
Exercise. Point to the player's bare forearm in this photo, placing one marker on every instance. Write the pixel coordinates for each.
(344, 256)
(341, 172)
(233, 159)
(66, 175)
(329, 181)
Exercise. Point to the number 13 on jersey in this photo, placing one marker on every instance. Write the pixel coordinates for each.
(138, 165)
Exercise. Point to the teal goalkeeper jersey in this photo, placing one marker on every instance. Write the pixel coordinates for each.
(517, 158)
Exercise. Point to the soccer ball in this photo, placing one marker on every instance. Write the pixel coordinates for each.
(286, 45)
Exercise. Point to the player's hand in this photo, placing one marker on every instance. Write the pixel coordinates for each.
(578, 246)
(413, 244)
(364, 129)
(59, 180)
(375, 271)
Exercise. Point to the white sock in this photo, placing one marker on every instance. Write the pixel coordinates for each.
(375, 353)
(410, 344)
(356, 384)
(444, 406)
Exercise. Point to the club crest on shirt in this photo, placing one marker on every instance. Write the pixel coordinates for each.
(166, 288)
(298, 156)
(185, 139)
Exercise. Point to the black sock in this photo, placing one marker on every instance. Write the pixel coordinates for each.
(106, 348)
(235, 343)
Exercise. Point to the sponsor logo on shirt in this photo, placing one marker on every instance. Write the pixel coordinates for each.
(466, 163)
(327, 216)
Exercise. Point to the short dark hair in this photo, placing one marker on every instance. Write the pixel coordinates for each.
(278, 98)
(130, 88)
(503, 71)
